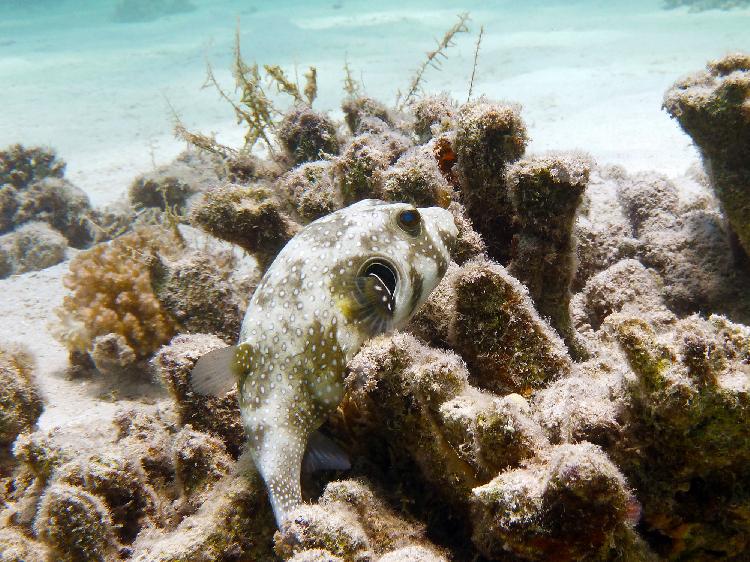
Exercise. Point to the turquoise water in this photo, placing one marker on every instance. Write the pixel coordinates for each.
(590, 74)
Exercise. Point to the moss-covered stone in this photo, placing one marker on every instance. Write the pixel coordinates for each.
(310, 189)
(75, 524)
(250, 217)
(546, 192)
(487, 316)
(217, 415)
(20, 401)
(488, 138)
(307, 136)
(21, 166)
(356, 109)
(713, 107)
(567, 505)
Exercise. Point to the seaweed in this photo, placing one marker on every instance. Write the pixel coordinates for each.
(433, 59)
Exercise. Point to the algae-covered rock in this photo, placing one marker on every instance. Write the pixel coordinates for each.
(713, 107)
(60, 204)
(415, 178)
(352, 522)
(566, 505)
(310, 189)
(234, 523)
(20, 402)
(486, 315)
(21, 166)
(31, 247)
(489, 137)
(315, 527)
(217, 415)
(76, 525)
(361, 164)
(200, 460)
(546, 192)
(17, 547)
(120, 483)
(433, 115)
(173, 184)
(307, 136)
(197, 291)
(250, 217)
(357, 109)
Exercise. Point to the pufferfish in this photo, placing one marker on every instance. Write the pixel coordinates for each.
(348, 276)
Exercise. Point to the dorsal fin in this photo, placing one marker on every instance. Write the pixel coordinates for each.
(323, 454)
(214, 373)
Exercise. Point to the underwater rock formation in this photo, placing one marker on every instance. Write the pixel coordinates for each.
(713, 107)
(310, 190)
(195, 288)
(488, 138)
(359, 168)
(351, 522)
(20, 402)
(486, 315)
(307, 136)
(217, 415)
(31, 247)
(357, 109)
(433, 115)
(415, 178)
(75, 525)
(546, 192)
(21, 166)
(32, 188)
(250, 217)
(173, 184)
(566, 505)
(475, 435)
(15, 546)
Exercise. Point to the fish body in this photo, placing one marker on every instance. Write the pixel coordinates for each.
(353, 274)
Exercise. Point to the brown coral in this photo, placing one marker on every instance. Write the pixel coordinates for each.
(112, 294)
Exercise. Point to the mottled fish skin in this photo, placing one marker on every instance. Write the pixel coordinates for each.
(310, 315)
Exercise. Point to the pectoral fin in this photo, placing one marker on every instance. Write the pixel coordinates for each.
(324, 454)
(215, 373)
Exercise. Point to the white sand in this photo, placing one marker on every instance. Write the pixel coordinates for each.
(590, 75)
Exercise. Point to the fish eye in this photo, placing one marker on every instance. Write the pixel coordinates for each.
(409, 221)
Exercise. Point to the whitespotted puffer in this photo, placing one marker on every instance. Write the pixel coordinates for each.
(356, 273)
